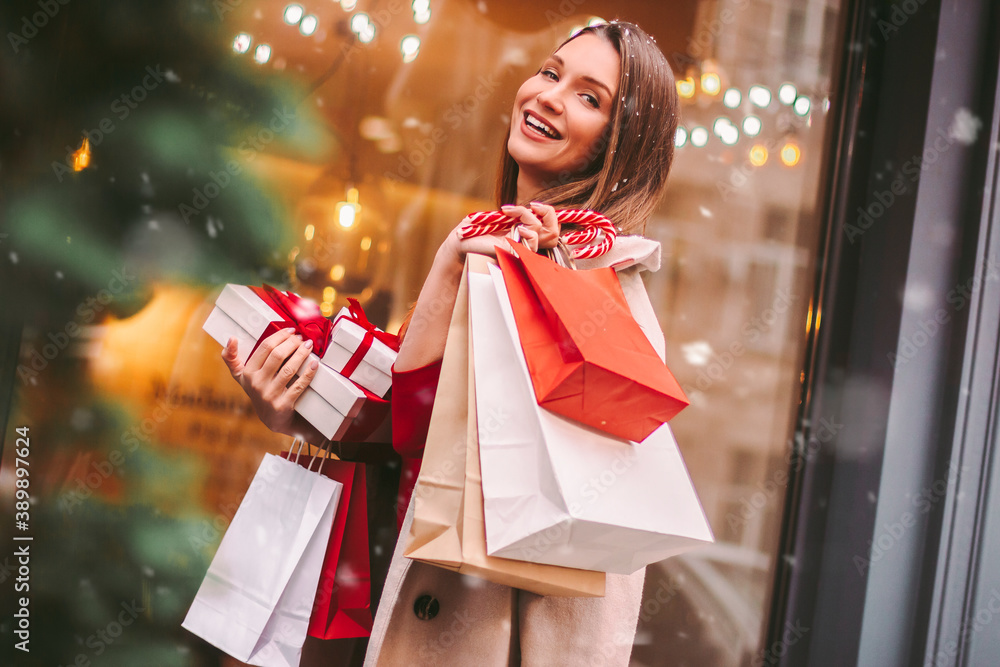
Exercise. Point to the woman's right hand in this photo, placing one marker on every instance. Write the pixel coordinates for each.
(528, 233)
(267, 375)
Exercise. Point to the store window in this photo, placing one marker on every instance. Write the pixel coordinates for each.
(382, 136)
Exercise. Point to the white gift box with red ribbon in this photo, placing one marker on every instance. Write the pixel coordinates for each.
(356, 352)
(331, 401)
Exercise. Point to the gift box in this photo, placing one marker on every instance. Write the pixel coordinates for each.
(360, 351)
(331, 402)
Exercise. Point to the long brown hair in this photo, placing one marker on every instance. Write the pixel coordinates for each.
(625, 172)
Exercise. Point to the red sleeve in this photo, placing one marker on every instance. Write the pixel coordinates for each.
(412, 398)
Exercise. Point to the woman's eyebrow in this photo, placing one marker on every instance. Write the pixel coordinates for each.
(588, 79)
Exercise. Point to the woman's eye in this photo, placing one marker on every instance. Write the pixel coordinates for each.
(591, 100)
(550, 74)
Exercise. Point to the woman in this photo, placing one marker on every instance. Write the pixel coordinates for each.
(593, 128)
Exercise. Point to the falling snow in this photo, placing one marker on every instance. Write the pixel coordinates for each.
(213, 226)
(697, 353)
(965, 127)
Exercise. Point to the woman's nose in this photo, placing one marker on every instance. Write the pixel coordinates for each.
(550, 98)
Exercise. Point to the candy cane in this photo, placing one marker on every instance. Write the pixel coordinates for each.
(593, 223)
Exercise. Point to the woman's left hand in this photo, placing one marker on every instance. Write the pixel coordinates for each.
(539, 220)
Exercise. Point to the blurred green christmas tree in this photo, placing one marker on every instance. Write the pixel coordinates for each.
(126, 130)
(164, 103)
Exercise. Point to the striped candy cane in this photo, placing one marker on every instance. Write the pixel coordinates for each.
(594, 225)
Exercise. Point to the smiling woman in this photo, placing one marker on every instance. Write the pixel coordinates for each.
(593, 129)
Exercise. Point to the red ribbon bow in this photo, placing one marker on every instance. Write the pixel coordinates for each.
(357, 315)
(303, 315)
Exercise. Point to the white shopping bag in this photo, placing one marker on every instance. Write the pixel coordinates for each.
(556, 491)
(258, 594)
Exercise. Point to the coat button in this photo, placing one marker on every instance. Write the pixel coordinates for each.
(426, 607)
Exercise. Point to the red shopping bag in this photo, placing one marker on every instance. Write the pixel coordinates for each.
(589, 360)
(342, 607)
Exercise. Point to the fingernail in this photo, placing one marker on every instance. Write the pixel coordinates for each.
(288, 330)
(314, 364)
(309, 344)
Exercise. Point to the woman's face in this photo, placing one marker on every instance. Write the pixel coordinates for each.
(560, 113)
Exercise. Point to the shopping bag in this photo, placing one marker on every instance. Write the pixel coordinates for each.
(559, 492)
(257, 597)
(589, 359)
(448, 529)
(342, 607)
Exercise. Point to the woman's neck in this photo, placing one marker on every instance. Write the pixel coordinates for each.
(527, 188)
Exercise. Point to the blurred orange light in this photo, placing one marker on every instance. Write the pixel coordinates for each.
(685, 87)
(81, 157)
(790, 154)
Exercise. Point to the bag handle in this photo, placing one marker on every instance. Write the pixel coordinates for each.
(326, 449)
(298, 450)
(565, 260)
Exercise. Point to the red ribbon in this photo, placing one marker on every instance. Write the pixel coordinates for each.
(303, 315)
(357, 315)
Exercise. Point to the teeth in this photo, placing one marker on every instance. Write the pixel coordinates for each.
(539, 125)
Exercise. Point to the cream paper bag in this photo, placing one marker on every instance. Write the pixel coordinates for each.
(556, 491)
(448, 529)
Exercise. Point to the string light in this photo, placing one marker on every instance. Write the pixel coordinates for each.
(729, 135)
(758, 155)
(242, 43)
(802, 106)
(262, 53)
(681, 136)
(760, 96)
(710, 83)
(358, 22)
(787, 94)
(790, 154)
(293, 14)
(410, 47)
(308, 25)
(347, 212)
(732, 98)
(751, 126)
(81, 156)
(685, 88)
(699, 136)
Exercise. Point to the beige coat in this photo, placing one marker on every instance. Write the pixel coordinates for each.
(432, 616)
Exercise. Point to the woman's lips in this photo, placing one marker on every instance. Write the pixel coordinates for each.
(532, 132)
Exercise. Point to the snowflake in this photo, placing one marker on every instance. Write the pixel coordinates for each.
(965, 127)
